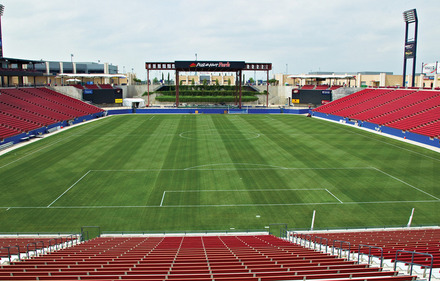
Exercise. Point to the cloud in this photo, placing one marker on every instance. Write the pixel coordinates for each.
(337, 35)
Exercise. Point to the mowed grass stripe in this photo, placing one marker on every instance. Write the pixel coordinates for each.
(243, 151)
(231, 161)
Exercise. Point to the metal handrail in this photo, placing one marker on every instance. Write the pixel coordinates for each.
(320, 243)
(307, 237)
(9, 251)
(412, 263)
(341, 248)
(369, 253)
(27, 248)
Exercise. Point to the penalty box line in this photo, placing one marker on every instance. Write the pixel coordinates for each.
(69, 188)
(405, 183)
(241, 190)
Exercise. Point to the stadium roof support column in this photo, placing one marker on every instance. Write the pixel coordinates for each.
(177, 88)
(267, 88)
(240, 80)
(236, 88)
(148, 87)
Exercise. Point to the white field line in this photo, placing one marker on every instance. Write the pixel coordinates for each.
(163, 197)
(240, 205)
(432, 148)
(397, 179)
(152, 117)
(224, 190)
(68, 189)
(334, 196)
(200, 168)
(33, 152)
(245, 190)
(46, 136)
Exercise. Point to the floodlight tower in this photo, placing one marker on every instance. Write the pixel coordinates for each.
(2, 8)
(410, 50)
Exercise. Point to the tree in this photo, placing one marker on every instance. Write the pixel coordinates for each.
(229, 81)
(273, 82)
(155, 81)
(251, 80)
(168, 79)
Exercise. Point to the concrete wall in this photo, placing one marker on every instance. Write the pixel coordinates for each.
(68, 91)
(343, 92)
(278, 95)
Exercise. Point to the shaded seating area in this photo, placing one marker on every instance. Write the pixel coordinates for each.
(26, 109)
(207, 258)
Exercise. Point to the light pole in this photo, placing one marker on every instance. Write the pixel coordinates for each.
(410, 49)
(2, 9)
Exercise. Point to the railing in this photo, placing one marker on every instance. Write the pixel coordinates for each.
(320, 243)
(39, 247)
(9, 251)
(370, 254)
(341, 248)
(412, 263)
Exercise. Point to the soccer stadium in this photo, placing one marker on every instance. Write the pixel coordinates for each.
(207, 176)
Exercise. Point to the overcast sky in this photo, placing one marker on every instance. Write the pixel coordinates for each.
(294, 35)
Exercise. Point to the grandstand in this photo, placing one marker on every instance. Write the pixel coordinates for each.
(24, 110)
(408, 110)
(165, 173)
(425, 240)
(203, 258)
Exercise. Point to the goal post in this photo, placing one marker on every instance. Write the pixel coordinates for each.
(90, 232)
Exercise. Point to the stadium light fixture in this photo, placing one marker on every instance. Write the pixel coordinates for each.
(410, 16)
(2, 8)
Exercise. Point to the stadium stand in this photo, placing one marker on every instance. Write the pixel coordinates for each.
(202, 258)
(308, 87)
(322, 87)
(418, 240)
(334, 87)
(91, 86)
(410, 110)
(26, 109)
(78, 86)
(19, 245)
(105, 86)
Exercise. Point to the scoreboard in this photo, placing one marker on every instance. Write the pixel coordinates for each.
(103, 96)
(316, 97)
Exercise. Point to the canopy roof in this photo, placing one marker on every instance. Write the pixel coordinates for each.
(322, 76)
(90, 75)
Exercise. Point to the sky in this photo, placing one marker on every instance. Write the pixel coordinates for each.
(296, 36)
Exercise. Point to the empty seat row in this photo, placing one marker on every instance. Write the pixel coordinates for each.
(243, 257)
(404, 109)
(26, 109)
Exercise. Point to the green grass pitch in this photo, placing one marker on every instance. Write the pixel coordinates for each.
(216, 172)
